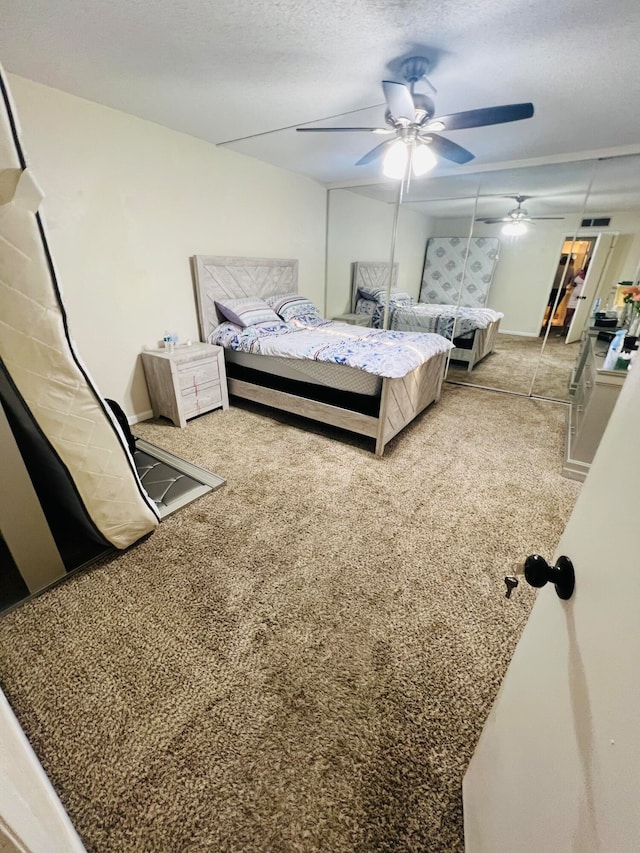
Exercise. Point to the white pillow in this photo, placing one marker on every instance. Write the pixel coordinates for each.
(246, 311)
(379, 294)
(290, 306)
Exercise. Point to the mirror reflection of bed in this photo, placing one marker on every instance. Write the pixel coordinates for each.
(528, 357)
(440, 308)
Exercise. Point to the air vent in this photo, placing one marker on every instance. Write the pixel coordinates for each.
(601, 222)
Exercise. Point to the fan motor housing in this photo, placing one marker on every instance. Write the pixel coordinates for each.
(414, 68)
(422, 103)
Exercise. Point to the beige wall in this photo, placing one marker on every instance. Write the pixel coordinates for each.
(127, 202)
(360, 229)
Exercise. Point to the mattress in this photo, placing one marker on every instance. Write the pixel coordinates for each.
(457, 269)
(66, 431)
(337, 376)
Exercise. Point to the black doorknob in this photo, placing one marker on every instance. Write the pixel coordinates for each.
(538, 572)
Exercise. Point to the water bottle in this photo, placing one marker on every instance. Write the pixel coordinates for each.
(614, 348)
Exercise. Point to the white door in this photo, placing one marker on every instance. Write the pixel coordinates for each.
(32, 819)
(597, 268)
(557, 768)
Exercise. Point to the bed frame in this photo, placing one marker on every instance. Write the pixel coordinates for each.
(484, 342)
(400, 400)
(374, 274)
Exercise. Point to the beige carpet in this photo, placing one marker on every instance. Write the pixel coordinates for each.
(516, 360)
(302, 660)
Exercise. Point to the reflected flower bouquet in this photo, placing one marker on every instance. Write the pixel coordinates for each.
(632, 296)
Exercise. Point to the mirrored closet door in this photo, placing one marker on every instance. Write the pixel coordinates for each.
(529, 213)
(370, 227)
(561, 212)
(603, 251)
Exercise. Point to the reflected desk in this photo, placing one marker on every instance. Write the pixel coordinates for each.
(595, 395)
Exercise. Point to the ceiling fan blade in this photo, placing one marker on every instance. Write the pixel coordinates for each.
(518, 198)
(376, 152)
(485, 116)
(344, 129)
(448, 149)
(291, 126)
(546, 217)
(491, 221)
(399, 100)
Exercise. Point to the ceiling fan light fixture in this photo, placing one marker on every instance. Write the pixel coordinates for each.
(514, 229)
(423, 159)
(395, 160)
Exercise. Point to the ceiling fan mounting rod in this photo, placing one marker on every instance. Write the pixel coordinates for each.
(414, 68)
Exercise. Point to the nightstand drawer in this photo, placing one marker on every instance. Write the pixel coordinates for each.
(201, 398)
(197, 373)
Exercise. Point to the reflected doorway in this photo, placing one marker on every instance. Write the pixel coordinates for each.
(574, 258)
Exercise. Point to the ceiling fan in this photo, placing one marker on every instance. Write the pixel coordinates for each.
(515, 219)
(415, 143)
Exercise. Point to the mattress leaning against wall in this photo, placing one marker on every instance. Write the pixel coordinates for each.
(71, 444)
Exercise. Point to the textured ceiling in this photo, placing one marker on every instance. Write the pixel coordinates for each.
(224, 70)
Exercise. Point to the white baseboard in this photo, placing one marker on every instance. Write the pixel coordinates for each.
(518, 334)
(143, 416)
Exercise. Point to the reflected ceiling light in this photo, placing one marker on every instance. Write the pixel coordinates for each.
(514, 229)
(397, 158)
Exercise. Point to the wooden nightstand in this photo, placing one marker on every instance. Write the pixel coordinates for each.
(187, 382)
(354, 319)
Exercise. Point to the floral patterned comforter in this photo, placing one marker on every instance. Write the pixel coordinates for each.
(390, 354)
(428, 317)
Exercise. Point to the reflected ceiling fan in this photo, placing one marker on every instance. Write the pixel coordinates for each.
(415, 143)
(516, 219)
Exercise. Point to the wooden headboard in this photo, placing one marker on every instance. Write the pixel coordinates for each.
(218, 277)
(370, 274)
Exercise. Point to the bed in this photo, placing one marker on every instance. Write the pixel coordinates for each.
(346, 395)
(472, 327)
